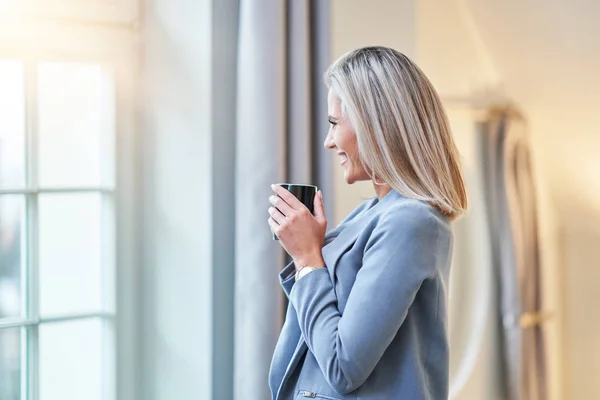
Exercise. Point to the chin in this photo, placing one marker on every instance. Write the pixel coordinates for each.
(353, 176)
(349, 178)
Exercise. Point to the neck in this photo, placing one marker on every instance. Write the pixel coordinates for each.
(381, 190)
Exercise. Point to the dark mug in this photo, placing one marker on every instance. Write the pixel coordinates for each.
(305, 193)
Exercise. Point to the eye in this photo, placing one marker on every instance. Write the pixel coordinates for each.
(333, 123)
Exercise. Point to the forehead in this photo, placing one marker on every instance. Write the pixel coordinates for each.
(333, 104)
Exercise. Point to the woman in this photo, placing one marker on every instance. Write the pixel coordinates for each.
(367, 308)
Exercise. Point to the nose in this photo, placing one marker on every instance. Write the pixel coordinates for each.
(328, 143)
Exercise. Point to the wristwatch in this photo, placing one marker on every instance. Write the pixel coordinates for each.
(304, 271)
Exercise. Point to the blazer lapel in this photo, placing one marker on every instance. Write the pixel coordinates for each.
(301, 348)
(349, 232)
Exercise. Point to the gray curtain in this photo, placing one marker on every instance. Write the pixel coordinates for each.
(512, 216)
(281, 124)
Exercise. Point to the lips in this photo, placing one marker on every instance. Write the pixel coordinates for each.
(343, 158)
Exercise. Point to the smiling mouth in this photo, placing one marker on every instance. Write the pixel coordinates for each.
(343, 158)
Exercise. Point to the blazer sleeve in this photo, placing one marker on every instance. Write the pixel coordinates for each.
(399, 255)
(286, 276)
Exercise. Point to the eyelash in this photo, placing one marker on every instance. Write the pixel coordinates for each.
(332, 123)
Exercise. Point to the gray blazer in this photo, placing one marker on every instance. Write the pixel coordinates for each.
(372, 325)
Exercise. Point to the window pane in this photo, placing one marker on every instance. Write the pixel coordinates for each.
(76, 125)
(70, 257)
(12, 254)
(12, 124)
(10, 364)
(71, 358)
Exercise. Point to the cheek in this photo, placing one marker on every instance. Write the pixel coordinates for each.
(346, 141)
(351, 148)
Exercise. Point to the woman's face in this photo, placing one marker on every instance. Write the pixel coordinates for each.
(342, 138)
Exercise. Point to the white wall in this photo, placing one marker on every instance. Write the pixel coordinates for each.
(581, 277)
(177, 203)
(567, 141)
(549, 60)
(566, 137)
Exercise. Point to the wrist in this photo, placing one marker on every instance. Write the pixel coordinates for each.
(315, 260)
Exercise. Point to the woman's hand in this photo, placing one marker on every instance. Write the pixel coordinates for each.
(300, 233)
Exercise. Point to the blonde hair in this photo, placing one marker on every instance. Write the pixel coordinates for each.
(402, 131)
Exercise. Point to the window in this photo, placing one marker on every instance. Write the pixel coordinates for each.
(57, 230)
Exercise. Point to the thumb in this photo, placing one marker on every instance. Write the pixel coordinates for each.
(319, 208)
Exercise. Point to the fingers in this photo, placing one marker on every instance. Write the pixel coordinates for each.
(319, 208)
(279, 203)
(276, 215)
(288, 197)
(273, 225)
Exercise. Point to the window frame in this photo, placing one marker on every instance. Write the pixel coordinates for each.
(117, 48)
(98, 11)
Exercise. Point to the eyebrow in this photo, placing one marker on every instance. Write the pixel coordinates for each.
(331, 117)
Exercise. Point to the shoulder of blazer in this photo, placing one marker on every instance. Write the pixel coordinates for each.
(418, 211)
(407, 217)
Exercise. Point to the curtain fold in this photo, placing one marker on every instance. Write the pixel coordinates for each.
(512, 216)
(282, 53)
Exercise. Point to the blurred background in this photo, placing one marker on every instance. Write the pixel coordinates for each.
(138, 140)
